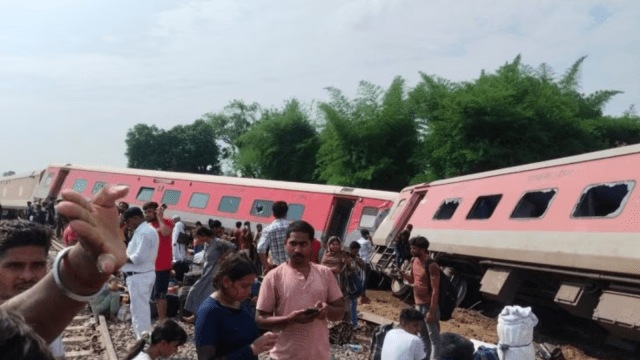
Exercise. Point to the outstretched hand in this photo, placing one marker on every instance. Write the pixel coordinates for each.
(97, 223)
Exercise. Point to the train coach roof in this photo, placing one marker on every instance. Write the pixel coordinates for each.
(32, 174)
(609, 153)
(331, 189)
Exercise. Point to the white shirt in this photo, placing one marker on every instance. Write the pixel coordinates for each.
(142, 249)
(56, 348)
(366, 249)
(142, 356)
(179, 250)
(400, 345)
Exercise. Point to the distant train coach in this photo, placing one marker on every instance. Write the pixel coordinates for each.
(563, 232)
(332, 210)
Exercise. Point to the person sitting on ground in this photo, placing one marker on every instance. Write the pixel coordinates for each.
(455, 347)
(403, 343)
(18, 341)
(225, 326)
(163, 341)
(107, 302)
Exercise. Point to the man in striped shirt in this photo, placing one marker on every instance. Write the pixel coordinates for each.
(273, 238)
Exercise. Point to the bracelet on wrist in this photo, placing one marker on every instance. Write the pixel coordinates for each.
(56, 277)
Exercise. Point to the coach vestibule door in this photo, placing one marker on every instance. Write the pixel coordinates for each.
(340, 214)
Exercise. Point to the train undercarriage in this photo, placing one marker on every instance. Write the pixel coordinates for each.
(612, 301)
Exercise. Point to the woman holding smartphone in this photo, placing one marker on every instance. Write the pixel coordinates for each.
(225, 326)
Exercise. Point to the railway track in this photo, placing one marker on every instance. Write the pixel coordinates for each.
(83, 338)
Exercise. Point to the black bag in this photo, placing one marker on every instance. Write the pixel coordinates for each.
(184, 239)
(447, 297)
(377, 340)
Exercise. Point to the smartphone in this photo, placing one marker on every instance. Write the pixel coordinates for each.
(311, 311)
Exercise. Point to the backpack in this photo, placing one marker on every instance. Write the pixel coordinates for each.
(377, 340)
(447, 297)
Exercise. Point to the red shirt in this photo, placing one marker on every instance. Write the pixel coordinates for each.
(164, 258)
(315, 250)
(69, 236)
(421, 282)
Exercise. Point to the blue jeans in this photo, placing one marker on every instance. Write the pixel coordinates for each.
(354, 311)
(430, 334)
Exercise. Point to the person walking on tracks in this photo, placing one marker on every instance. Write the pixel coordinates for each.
(425, 276)
(140, 268)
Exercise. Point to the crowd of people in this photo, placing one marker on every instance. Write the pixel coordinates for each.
(306, 283)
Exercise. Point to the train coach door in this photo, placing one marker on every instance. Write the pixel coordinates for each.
(404, 212)
(339, 216)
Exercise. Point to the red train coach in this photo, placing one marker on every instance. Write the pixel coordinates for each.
(563, 232)
(332, 210)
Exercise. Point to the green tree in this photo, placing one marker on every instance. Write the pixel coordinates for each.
(229, 124)
(516, 115)
(281, 146)
(368, 141)
(184, 148)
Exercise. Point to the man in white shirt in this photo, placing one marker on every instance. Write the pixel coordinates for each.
(403, 343)
(180, 264)
(366, 250)
(140, 268)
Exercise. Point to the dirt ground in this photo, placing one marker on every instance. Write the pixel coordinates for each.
(575, 344)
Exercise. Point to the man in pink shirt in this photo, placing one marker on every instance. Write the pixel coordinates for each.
(297, 298)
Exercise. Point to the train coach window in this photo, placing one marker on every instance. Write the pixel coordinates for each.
(229, 204)
(447, 209)
(79, 185)
(261, 208)
(49, 179)
(295, 212)
(484, 206)
(171, 197)
(97, 186)
(145, 194)
(199, 200)
(603, 200)
(368, 218)
(533, 204)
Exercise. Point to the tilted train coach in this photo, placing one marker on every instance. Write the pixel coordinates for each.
(563, 232)
(332, 210)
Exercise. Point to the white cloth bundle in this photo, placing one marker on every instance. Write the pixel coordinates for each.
(515, 333)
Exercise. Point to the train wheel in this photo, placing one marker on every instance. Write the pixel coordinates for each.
(399, 288)
(461, 288)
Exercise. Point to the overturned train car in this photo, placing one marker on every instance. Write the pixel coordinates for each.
(332, 210)
(564, 232)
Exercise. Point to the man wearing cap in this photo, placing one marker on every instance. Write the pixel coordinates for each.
(140, 268)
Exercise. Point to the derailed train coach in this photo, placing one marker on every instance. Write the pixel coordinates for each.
(332, 210)
(564, 233)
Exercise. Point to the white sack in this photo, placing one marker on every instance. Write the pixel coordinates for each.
(515, 333)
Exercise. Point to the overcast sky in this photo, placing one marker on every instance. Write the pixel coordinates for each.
(75, 75)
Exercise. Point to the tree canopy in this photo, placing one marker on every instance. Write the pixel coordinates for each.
(389, 138)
